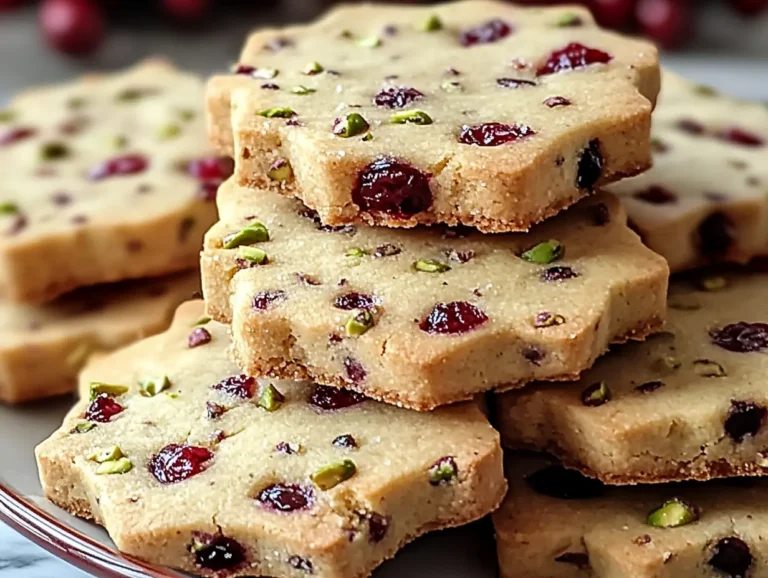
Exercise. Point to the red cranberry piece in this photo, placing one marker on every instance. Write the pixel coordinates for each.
(189, 11)
(741, 337)
(350, 301)
(744, 419)
(262, 301)
(656, 196)
(301, 564)
(579, 559)
(270, 86)
(732, 557)
(242, 386)
(355, 371)
(102, 409)
(397, 96)
(666, 21)
(244, 69)
(716, 234)
(612, 13)
(533, 355)
(453, 318)
(392, 187)
(749, 7)
(214, 410)
(119, 166)
(345, 441)
(514, 82)
(649, 386)
(601, 216)
(558, 482)
(555, 101)
(558, 273)
(388, 250)
(573, 57)
(285, 448)
(330, 398)
(691, 126)
(176, 462)
(14, 135)
(72, 26)
(378, 526)
(590, 166)
(741, 137)
(220, 553)
(199, 336)
(207, 191)
(491, 31)
(61, 198)
(493, 134)
(18, 224)
(211, 168)
(286, 497)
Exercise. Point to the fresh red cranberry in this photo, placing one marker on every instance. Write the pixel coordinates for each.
(741, 337)
(242, 386)
(301, 564)
(741, 137)
(666, 21)
(72, 26)
(493, 134)
(744, 419)
(491, 31)
(220, 553)
(453, 318)
(199, 336)
(102, 409)
(573, 57)
(392, 187)
(353, 300)
(330, 398)
(558, 273)
(177, 462)
(590, 166)
(732, 557)
(119, 166)
(378, 526)
(514, 82)
(716, 234)
(656, 195)
(263, 300)
(14, 135)
(555, 101)
(397, 96)
(345, 441)
(356, 373)
(558, 482)
(614, 14)
(217, 169)
(286, 497)
(191, 11)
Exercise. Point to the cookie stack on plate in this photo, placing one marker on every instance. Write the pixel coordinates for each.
(102, 182)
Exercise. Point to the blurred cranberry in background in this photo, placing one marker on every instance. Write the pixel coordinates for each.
(8, 4)
(188, 11)
(749, 7)
(666, 21)
(612, 13)
(72, 26)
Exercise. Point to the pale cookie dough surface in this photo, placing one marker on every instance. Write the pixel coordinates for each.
(591, 125)
(43, 347)
(64, 224)
(706, 198)
(689, 403)
(603, 532)
(259, 459)
(437, 337)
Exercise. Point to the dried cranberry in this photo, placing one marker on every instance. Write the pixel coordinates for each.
(221, 553)
(514, 82)
(732, 557)
(355, 371)
(690, 126)
(301, 564)
(453, 318)
(601, 216)
(397, 96)
(558, 482)
(102, 409)
(744, 419)
(214, 410)
(285, 448)
(392, 187)
(590, 166)
(741, 137)
(715, 234)
(579, 559)
(241, 386)
(572, 57)
(61, 198)
(264, 299)
(533, 355)
(243, 69)
(558, 273)
(306, 279)
(18, 224)
(378, 526)
(14, 135)
(649, 386)
(270, 86)
(207, 191)
(119, 166)
(656, 195)
(387, 250)
(554, 101)
(177, 462)
(493, 134)
(741, 337)
(331, 398)
(286, 497)
(211, 168)
(353, 300)
(345, 441)
(277, 44)
(490, 31)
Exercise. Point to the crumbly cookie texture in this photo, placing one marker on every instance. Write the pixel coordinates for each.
(689, 403)
(476, 113)
(43, 347)
(215, 473)
(556, 523)
(104, 179)
(705, 199)
(430, 316)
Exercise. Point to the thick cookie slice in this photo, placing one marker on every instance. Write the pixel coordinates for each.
(704, 200)
(475, 113)
(104, 179)
(189, 464)
(430, 316)
(43, 347)
(689, 403)
(555, 523)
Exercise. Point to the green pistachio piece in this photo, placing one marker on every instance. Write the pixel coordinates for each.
(443, 471)
(271, 399)
(544, 253)
(431, 24)
(118, 142)
(369, 42)
(359, 323)
(9, 208)
(348, 34)
(568, 19)
(265, 73)
(352, 124)
(713, 283)
(280, 170)
(253, 233)
(121, 466)
(83, 427)
(187, 114)
(673, 514)
(130, 94)
(451, 86)
(704, 90)
(204, 320)
(107, 455)
(596, 394)
(431, 266)
(302, 90)
(411, 117)
(252, 254)
(7, 116)
(112, 390)
(368, 137)
(151, 386)
(168, 131)
(332, 475)
(356, 252)
(76, 102)
(52, 151)
(171, 395)
(708, 368)
(313, 68)
(277, 112)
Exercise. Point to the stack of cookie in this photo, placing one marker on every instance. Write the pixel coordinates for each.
(105, 180)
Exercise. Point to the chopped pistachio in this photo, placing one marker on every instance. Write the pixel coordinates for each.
(369, 42)
(544, 253)
(52, 151)
(712, 283)
(107, 455)
(568, 19)
(266, 73)
(411, 117)
(704, 90)
(431, 266)
(451, 86)
(252, 254)
(112, 390)
(168, 131)
(9, 208)
(368, 137)
(356, 252)
(7, 116)
(443, 471)
(204, 320)
(708, 368)
(151, 386)
(120, 466)
(432, 24)
(596, 394)
(673, 514)
(277, 112)
(352, 124)
(359, 323)
(83, 427)
(76, 102)
(302, 90)
(171, 395)
(79, 355)
(348, 34)
(130, 94)
(253, 233)
(313, 67)
(118, 142)
(280, 170)
(271, 399)
(187, 114)
(332, 475)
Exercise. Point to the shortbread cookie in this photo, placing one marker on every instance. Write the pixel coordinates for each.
(104, 179)
(706, 198)
(690, 403)
(476, 113)
(189, 464)
(556, 523)
(429, 316)
(43, 347)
